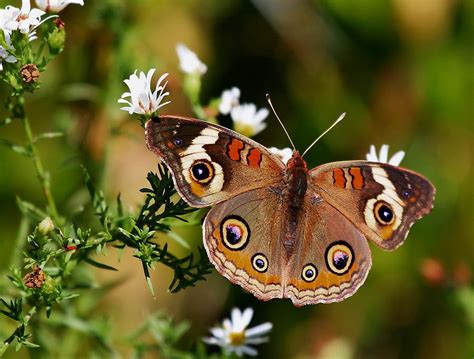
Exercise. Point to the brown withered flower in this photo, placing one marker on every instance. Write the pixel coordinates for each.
(30, 73)
(34, 279)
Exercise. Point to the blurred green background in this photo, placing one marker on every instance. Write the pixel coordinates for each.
(401, 69)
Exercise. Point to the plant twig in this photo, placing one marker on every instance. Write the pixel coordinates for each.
(43, 176)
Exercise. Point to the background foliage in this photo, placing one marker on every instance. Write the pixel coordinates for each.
(401, 69)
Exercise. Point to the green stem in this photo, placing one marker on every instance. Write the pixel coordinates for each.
(17, 256)
(43, 176)
(40, 52)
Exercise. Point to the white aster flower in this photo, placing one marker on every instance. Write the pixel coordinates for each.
(284, 153)
(247, 120)
(56, 5)
(189, 62)
(142, 101)
(234, 336)
(383, 156)
(24, 19)
(229, 99)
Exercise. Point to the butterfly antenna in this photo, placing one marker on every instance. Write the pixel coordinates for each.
(340, 118)
(281, 123)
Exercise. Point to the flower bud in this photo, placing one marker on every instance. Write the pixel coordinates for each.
(57, 37)
(46, 226)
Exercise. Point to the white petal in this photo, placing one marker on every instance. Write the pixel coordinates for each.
(35, 14)
(397, 158)
(258, 340)
(383, 154)
(212, 341)
(249, 351)
(236, 317)
(259, 128)
(246, 318)
(25, 6)
(237, 350)
(261, 114)
(372, 155)
(218, 332)
(227, 324)
(261, 329)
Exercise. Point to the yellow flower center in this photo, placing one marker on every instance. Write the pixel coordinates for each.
(237, 339)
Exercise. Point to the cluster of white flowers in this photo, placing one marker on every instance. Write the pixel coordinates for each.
(234, 336)
(25, 20)
(246, 118)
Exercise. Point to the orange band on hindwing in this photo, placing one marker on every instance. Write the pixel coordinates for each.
(358, 181)
(234, 148)
(254, 157)
(338, 177)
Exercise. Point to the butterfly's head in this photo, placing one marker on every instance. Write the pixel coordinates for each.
(296, 161)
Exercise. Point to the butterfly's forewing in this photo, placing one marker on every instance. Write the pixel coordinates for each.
(210, 163)
(381, 200)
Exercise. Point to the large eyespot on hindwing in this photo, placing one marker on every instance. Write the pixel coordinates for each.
(260, 262)
(235, 233)
(202, 171)
(309, 273)
(339, 257)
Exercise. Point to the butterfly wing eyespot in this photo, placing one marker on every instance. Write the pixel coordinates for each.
(339, 257)
(384, 213)
(202, 172)
(260, 262)
(178, 142)
(309, 273)
(235, 233)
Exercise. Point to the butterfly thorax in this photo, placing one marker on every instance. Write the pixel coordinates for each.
(297, 181)
(296, 186)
